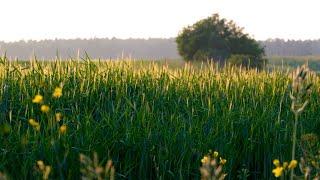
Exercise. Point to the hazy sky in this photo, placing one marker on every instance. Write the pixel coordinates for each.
(49, 19)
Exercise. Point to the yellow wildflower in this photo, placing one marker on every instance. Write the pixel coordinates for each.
(58, 117)
(293, 164)
(215, 154)
(34, 124)
(277, 171)
(37, 99)
(45, 108)
(63, 129)
(276, 162)
(57, 92)
(205, 160)
(285, 165)
(223, 161)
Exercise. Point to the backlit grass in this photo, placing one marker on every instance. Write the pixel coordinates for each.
(153, 122)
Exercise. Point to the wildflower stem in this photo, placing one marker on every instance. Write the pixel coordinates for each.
(294, 139)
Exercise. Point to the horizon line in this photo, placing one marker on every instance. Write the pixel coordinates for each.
(135, 38)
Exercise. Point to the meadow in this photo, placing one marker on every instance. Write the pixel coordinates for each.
(291, 62)
(151, 120)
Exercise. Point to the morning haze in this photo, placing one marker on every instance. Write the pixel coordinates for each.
(148, 49)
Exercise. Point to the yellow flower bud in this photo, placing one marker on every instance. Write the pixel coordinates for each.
(293, 164)
(57, 92)
(58, 117)
(276, 162)
(63, 129)
(45, 108)
(277, 171)
(34, 124)
(37, 99)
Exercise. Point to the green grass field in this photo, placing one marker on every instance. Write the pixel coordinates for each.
(154, 122)
(295, 61)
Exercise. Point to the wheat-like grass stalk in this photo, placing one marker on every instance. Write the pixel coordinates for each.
(301, 88)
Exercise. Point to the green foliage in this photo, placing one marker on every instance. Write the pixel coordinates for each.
(216, 39)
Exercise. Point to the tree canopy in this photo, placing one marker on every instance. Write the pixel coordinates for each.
(216, 38)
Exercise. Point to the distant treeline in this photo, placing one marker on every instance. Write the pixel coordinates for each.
(135, 48)
(95, 48)
(280, 47)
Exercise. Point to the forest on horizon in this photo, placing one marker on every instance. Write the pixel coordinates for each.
(153, 48)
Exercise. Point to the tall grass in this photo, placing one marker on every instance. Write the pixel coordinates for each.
(153, 122)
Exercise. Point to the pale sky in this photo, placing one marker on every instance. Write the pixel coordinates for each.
(49, 19)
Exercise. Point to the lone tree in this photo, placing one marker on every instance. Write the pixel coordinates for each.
(217, 39)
